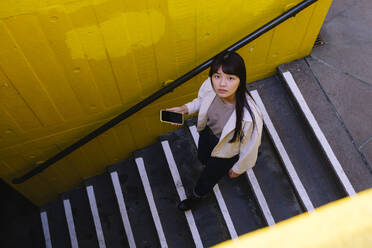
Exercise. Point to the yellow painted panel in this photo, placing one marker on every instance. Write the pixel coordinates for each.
(139, 129)
(112, 146)
(42, 60)
(72, 168)
(68, 49)
(94, 156)
(125, 139)
(182, 36)
(15, 166)
(13, 103)
(18, 71)
(344, 223)
(287, 39)
(164, 48)
(61, 175)
(8, 128)
(55, 177)
(208, 28)
(90, 35)
(113, 17)
(79, 127)
(89, 60)
(65, 174)
(141, 39)
(321, 10)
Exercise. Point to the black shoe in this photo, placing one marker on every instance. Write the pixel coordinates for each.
(188, 203)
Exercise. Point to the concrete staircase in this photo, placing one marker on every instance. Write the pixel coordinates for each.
(134, 204)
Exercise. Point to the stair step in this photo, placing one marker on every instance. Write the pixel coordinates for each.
(109, 213)
(70, 223)
(237, 193)
(274, 182)
(246, 220)
(260, 198)
(151, 201)
(84, 225)
(123, 209)
(46, 231)
(138, 210)
(304, 152)
(165, 196)
(326, 148)
(355, 166)
(181, 193)
(54, 214)
(301, 191)
(208, 218)
(96, 217)
(135, 203)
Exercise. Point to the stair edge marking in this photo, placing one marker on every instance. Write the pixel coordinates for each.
(96, 219)
(70, 223)
(283, 153)
(260, 198)
(288, 78)
(218, 194)
(151, 201)
(181, 193)
(45, 225)
(123, 209)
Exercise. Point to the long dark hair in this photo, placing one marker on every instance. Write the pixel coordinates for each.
(233, 63)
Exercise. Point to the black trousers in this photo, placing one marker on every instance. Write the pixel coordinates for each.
(215, 168)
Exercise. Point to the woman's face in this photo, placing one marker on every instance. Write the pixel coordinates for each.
(225, 85)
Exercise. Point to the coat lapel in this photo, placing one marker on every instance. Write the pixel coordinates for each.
(229, 126)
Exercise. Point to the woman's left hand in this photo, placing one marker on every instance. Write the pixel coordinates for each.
(232, 174)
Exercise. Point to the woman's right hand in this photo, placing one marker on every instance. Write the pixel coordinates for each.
(182, 110)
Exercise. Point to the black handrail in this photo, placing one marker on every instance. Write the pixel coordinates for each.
(254, 35)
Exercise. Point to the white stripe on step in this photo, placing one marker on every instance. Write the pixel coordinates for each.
(318, 133)
(283, 153)
(150, 199)
(254, 183)
(217, 193)
(123, 209)
(260, 198)
(96, 219)
(225, 211)
(181, 193)
(44, 222)
(70, 223)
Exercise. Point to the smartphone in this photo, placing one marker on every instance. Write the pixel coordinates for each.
(171, 117)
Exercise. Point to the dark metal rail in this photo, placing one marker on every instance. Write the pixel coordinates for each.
(254, 35)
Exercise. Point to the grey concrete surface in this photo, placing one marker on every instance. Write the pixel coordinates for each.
(367, 149)
(352, 99)
(353, 161)
(343, 68)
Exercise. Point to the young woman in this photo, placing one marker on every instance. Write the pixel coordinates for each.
(229, 124)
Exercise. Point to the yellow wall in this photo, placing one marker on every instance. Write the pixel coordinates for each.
(344, 223)
(68, 66)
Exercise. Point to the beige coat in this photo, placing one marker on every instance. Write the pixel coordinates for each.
(248, 147)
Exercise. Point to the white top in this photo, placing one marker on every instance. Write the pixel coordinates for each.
(218, 114)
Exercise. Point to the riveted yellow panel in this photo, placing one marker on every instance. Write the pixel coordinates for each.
(16, 113)
(43, 62)
(19, 72)
(69, 66)
(68, 46)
